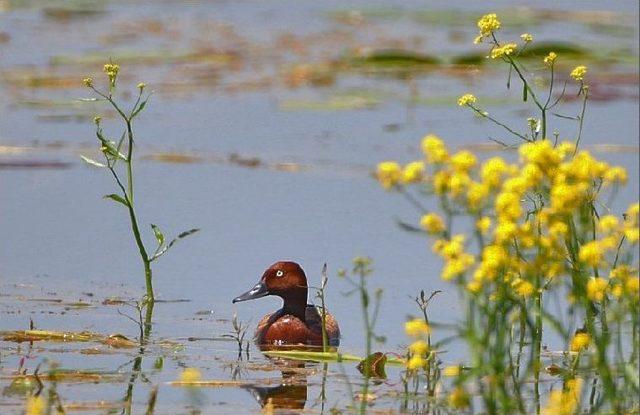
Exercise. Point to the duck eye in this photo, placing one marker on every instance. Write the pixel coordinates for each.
(279, 273)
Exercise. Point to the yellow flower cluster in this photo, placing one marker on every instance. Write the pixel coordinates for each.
(416, 328)
(504, 50)
(457, 261)
(487, 24)
(112, 69)
(550, 59)
(580, 342)
(418, 351)
(432, 223)
(459, 398)
(88, 82)
(526, 37)
(523, 252)
(36, 405)
(625, 281)
(466, 99)
(434, 149)
(578, 72)
(413, 172)
(564, 402)
(389, 174)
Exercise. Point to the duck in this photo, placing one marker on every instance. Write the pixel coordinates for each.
(297, 322)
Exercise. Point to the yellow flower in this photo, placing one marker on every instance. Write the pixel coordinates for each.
(505, 232)
(632, 234)
(558, 230)
(633, 286)
(467, 99)
(112, 69)
(492, 171)
(550, 59)
(141, 86)
(441, 182)
(487, 24)
(190, 374)
(432, 223)
(450, 249)
(458, 183)
(463, 161)
(477, 196)
(389, 174)
(456, 266)
(35, 405)
(459, 398)
(416, 362)
(615, 175)
(596, 288)
(591, 253)
(508, 206)
(419, 347)
(608, 223)
(451, 371)
(526, 37)
(474, 287)
(494, 257)
(416, 328)
(578, 72)
(564, 402)
(88, 82)
(413, 172)
(434, 149)
(483, 225)
(579, 342)
(523, 288)
(505, 50)
(96, 120)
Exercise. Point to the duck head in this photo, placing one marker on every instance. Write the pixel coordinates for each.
(284, 279)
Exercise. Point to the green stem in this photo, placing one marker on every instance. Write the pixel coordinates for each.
(585, 91)
(490, 118)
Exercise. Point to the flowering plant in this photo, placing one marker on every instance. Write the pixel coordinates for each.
(541, 230)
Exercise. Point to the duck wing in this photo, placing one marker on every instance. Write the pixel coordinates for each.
(313, 316)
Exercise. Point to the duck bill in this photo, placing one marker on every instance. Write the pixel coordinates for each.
(258, 291)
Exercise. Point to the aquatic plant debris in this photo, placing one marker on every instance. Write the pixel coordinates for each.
(21, 336)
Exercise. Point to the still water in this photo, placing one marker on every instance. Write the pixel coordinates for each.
(271, 168)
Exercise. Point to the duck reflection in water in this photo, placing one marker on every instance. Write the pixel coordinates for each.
(291, 394)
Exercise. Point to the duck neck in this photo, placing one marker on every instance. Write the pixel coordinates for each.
(295, 303)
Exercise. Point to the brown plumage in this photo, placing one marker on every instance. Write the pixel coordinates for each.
(296, 323)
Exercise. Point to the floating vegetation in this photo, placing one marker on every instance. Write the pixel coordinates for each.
(21, 336)
(148, 57)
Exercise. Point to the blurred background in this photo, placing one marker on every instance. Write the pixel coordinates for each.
(266, 123)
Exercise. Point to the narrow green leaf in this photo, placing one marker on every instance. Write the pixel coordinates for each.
(162, 250)
(140, 107)
(525, 93)
(117, 198)
(324, 356)
(631, 373)
(92, 162)
(158, 234)
(408, 227)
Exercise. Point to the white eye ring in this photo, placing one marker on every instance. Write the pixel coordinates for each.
(279, 273)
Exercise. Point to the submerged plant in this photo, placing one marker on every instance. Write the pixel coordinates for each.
(542, 229)
(119, 156)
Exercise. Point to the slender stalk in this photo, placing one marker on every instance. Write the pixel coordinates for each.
(585, 91)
